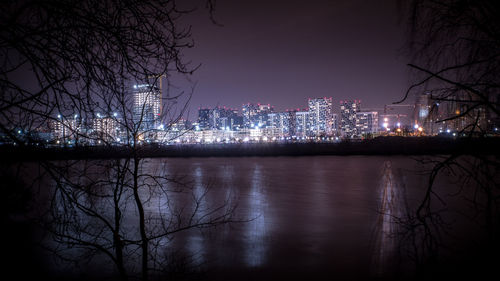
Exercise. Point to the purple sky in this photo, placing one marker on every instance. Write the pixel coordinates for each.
(283, 52)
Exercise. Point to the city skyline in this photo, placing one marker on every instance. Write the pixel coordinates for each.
(253, 122)
(321, 120)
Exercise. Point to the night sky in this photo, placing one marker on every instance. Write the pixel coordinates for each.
(283, 52)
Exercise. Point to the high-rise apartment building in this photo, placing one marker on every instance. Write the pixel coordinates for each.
(422, 116)
(105, 129)
(302, 125)
(249, 112)
(280, 121)
(255, 115)
(66, 129)
(463, 115)
(291, 121)
(224, 118)
(204, 119)
(348, 110)
(366, 123)
(147, 106)
(218, 118)
(335, 124)
(320, 116)
(274, 120)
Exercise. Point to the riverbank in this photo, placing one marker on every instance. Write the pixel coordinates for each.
(377, 146)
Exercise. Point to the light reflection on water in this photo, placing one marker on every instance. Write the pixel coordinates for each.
(310, 212)
(391, 206)
(256, 230)
(195, 242)
(318, 214)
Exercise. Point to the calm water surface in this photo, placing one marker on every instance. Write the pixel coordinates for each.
(318, 217)
(310, 216)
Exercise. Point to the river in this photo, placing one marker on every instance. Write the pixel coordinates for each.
(310, 217)
(314, 217)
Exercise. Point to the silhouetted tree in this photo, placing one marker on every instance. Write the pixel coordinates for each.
(72, 64)
(455, 49)
(64, 58)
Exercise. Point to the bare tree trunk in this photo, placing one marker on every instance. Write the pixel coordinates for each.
(142, 224)
(117, 240)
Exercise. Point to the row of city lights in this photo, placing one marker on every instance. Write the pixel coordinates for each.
(260, 125)
(256, 126)
(258, 139)
(59, 116)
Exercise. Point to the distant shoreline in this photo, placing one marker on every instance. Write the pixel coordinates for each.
(377, 146)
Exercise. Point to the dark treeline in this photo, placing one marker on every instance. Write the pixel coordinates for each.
(377, 146)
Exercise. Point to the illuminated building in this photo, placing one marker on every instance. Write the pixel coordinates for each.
(451, 115)
(105, 129)
(422, 117)
(290, 122)
(249, 111)
(302, 125)
(147, 106)
(335, 124)
(320, 116)
(366, 123)
(348, 111)
(255, 115)
(204, 119)
(218, 118)
(280, 121)
(213, 118)
(225, 118)
(66, 129)
(274, 120)
(465, 115)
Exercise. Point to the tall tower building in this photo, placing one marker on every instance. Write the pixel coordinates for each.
(147, 106)
(348, 110)
(320, 116)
